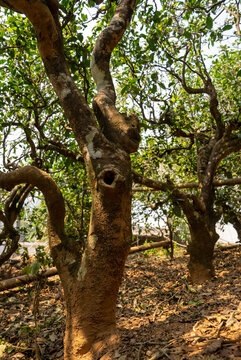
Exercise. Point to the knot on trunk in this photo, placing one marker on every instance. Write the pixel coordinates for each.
(110, 178)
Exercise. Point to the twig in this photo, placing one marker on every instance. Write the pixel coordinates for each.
(219, 328)
(139, 352)
(159, 353)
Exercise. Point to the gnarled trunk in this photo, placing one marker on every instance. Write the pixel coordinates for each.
(201, 248)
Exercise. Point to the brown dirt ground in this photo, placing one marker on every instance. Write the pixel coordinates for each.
(160, 315)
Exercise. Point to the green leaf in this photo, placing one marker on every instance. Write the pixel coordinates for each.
(27, 270)
(209, 22)
(177, 210)
(152, 44)
(239, 73)
(162, 85)
(187, 34)
(35, 266)
(227, 27)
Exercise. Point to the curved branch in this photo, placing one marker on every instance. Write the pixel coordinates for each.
(15, 202)
(9, 5)
(105, 44)
(61, 149)
(9, 250)
(154, 184)
(187, 88)
(209, 89)
(53, 197)
(118, 128)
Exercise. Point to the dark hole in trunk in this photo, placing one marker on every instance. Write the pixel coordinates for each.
(109, 177)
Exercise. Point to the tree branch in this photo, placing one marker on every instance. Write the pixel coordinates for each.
(53, 198)
(163, 186)
(118, 128)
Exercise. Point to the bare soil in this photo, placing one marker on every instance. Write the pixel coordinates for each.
(160, 314)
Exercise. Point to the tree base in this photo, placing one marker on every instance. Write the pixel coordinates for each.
(99, 349)
(199, 273)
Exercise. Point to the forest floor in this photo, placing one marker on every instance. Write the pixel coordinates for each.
(160, 315)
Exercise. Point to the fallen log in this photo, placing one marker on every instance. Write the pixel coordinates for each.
(141, 239)
(24, 279)
(228, 247)
(154, 245)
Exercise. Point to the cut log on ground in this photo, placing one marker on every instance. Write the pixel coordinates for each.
(141, 239)
(164, 244)
(228, 247)
(24, 279)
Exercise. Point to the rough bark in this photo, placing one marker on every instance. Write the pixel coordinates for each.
(117, 127)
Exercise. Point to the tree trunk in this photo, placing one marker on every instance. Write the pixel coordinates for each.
(91, 283)
(90, 318)
(201, 249)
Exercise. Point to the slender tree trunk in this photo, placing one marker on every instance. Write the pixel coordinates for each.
(201, 249)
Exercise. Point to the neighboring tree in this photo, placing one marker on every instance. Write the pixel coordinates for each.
(191, 110)
(209, 143)
(91, 276)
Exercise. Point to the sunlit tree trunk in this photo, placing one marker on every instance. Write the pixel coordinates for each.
(91, 284)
